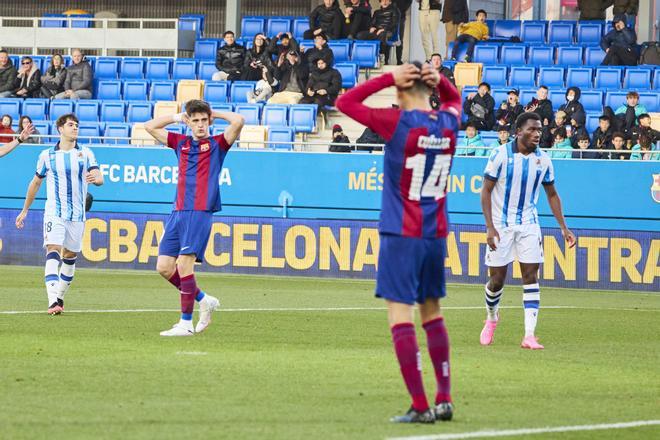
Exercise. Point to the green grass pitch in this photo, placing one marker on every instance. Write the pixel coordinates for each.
(328, 372)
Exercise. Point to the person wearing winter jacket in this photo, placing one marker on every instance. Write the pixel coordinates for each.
(436, 63)
(291, 73)
(572, 104)
(321, 50)
(503, 137)
(583, 151)
(541, 105)
(7, 75)
(548, 132)
(79, 76)
(340, 142)
(620, 44)
(562, 142)
(479, 108)
(602, 136)
(281, 44)
(369, 136)
(229, 59)
(357, 17)
(628, 113)
(466, 145)
(509, 111)
(644, 129)
(256, 59)
(323, 86)
(644, 150)
(28, 80)
(383, 26)
(52, 81)
(326, 18)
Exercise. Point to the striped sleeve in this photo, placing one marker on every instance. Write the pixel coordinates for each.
(220, 139)
(549, 176)
(41, 166)
(91, 160)
(494, 166)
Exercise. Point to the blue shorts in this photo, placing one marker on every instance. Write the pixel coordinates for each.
(186, 233)
(411, 269)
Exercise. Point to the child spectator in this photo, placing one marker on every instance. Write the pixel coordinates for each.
(503, 136)
(619, 144)
(563, 143)
(583, 151)
(541, 105)
(471, 140)
(628, 113)
(602, 136)
(5, 128)
(471, 33)
(572, 104)
(644, 150)
(644, 129)
(340, 142)
(479, 108)
(509, 110)
(548, 132)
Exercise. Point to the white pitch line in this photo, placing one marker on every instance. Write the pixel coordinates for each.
(531, 431)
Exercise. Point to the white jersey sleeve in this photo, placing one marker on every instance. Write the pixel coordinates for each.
(41, 165)
(90, 162)
(549, 177)
(496, 160)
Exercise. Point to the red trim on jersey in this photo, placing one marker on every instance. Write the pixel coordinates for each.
(412, 216)
(202, 184)
(220, 139)
(181, 184)
(174, 139)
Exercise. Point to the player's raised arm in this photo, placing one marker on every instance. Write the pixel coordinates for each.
(555, 205)
(9, 146)
(156, 127)
(32, 191)
(236, 123)
(450, 99)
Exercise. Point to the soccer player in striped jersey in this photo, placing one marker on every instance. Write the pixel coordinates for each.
(413, 225)
(514, 174)
(188, 228)
(68, 168)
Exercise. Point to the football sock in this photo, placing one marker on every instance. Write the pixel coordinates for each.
(407, 353)
(51, 277)
(175, 280)
(200, 295)
(67, 270)
(531, 301)
(188, 290)
(492, 303)
(438, 343)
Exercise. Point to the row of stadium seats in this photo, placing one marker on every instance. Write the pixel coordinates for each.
(522, 54)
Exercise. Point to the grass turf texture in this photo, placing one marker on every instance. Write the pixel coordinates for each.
(309, 374)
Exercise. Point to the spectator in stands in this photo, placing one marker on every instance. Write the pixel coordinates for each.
(572, 104)
(323, 86)
(509, 111)
(229, 59)
(383, 26)
(541, 105)
(436, 63)
(503, 136)
(321, 50)
(480, 107)
(548, 132)
(403, 6)
(470, 141)
(628, 113)
(454, 13)
(618, 144)
(593, 9)
(340, 142)
(602, 136)
(629, 8)
(429, 22)
(292, 75)
(645, 150)
(79, 76)
(256, 59)
(357, 17)
(620, 44)
(7, 75)
(283, 43)
(5, 128)
(368, 136)
(52, 82)
(28, 80)
(583, 150)
(577, 127)
(326, 18)
(562, 142)
(471, 33)
(263, 90)
(24, 123)
(644, 129)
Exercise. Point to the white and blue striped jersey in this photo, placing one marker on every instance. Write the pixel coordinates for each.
(518, 179)
(66, 188)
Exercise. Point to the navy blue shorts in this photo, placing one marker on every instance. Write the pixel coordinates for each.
(411, 269)
(186, 233)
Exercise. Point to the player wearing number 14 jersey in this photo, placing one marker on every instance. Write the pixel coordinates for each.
(413, 226)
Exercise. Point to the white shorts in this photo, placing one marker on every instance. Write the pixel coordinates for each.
(63, 233)
(520, 242)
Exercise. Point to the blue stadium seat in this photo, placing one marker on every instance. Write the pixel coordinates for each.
(340, 49)
(11, 107)
(593, 56)
(551, 76)
(106, 68)
(558, 97)
(91, 59)
(206, 70)
(656, 79)
(176, 128)
(251, 26)
(80, 23)
(533, 31)
(365, 53)
(43, 127)
(38, 61)
(239, 90)
(136, 90)
(15, 60)
(486, 53)
(139, 111)
(608, 78)
(117, 129)
(302, 117)
(87, 110)
(35, 108)
(462, 50)
(300, 25)
(158, 69)
(275, 115)
(206, 49)
(526, 96)
(569, 55)
(592, 122)
(89, 129)
(592, 100)
(217, 130)
(132, 68)
(162, 91)
(281, 134)
(59, 107)
(113, 111)
(499, 95)
(589, 32)
(276, 25)
(251, 113)
(513, 55)
(221, 107)
(184, 69)
(561, 32)
(109, 90)
(637, 78)
(581, 77)
(522, 77)
(192, 22)
(496, 76)
(349, 74)
(506, 29)
(53, 21)
(541, 55)
(216, 91)
(615, 99)
(649, 99)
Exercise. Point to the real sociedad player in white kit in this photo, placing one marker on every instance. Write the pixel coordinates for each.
(514, 174)
(68, 168)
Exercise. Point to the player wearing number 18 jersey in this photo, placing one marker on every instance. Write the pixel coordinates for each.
(413, 226)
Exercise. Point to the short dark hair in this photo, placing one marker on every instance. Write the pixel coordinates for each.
(4, 51)
(605, 118)
(506, 128)
(632, 95)
(471, 124)
(435, 55)
(618, 134)
(66, 118)
(419, 86)
(643, 115)
(7, 116)
(560, 132)
(484, 84)
(583, 137)
(198, 106)
(542, 86)
(481, 11)
(228, 33)
(524, 117)
(26, 57)
(644, 140)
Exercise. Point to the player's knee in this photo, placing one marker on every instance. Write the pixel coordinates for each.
(496, 283)
(165, 269)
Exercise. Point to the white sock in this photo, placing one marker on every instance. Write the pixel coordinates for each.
(67, 270)
(492, 303)
(531, 301)
(51, 277)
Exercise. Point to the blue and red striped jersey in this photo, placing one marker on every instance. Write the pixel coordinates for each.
(200, 163)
